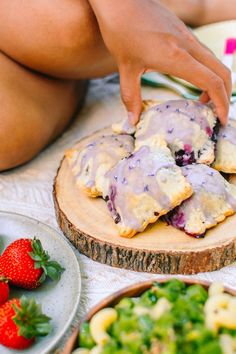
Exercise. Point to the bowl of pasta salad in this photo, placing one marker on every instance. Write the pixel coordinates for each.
(168, 316)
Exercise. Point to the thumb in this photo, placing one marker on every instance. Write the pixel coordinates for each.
(131, 93)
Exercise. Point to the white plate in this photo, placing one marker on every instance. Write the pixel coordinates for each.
(60, 299)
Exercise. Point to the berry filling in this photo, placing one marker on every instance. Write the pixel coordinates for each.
(110, 200)
(209, 131)
(215, 132)
(183, 157)
(186, 156)
(177, 219)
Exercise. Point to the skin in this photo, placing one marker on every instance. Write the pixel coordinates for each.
(34, 111)
(134, 42)
(202, 12)
(42, 73)
(54, 46)
(59, 38)
(189, 11)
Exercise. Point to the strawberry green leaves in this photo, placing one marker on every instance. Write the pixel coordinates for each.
(30, 320)
(52, 269)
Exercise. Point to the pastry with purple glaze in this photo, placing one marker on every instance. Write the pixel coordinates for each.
(226, 148)
(124, 126)
(146, 104)
(144, 186)
(90, 164)
(188, 127)
(212, 201)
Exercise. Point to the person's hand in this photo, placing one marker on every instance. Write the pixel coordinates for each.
(143, 36)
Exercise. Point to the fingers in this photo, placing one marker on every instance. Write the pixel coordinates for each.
(131, 92)
(207, 58)
(204, 98)
(193, 71)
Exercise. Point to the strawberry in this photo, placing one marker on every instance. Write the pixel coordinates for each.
(27, 265)
(21, 321)
(4, 289)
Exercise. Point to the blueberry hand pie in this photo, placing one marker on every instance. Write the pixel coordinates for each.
(226, 148)
(90, 164)
(188, 127)
(144, 186)
(125, 127)
(212, 201)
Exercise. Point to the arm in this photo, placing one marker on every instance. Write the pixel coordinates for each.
(218, 10)
(144, 36)
(202, 12)
(189, 11)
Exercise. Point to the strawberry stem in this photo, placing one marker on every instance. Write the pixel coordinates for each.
(30, 320)
(52, 269)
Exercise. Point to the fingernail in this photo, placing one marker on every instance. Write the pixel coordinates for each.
(131, 117)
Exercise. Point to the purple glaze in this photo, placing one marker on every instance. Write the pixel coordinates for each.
(228, 132)
(110, 199)
(112, 193)
(185, 125)
(107, 150)
(204, 181)
(125, 127)
(140, 179)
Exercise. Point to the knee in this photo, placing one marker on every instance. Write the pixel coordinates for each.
(64, 51)
(77, 29)
(78, 38)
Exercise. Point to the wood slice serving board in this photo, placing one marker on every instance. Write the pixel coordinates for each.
(159, 249)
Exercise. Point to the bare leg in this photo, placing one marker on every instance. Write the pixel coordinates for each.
(59, 38)
(34, 110)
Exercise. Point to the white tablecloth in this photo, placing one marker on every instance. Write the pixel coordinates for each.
(28, 190)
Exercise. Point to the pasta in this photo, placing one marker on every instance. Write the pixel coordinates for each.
(157, 311)
(172, 317)
(96, 350)
(228, 344)
(220, 311)
(99, 324)
(215, 288)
